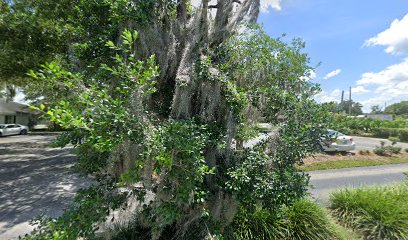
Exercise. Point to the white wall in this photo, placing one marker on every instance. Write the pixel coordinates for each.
(22, 119)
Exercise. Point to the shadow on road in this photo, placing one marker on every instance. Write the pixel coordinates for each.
(35, 179)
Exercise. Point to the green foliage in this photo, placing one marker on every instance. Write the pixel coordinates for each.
(375, 127)
(387, 150)
(267, 69)
(376, 109)
(344, 107)
(71, 33)
(398, 133)
(364, 152)
(177, 154)
(375, 212)
(400, 108)
(382, 151)
(187, 163)
(394, 140)
(302, 220)
(31, 34)
(257, 179)
(103, 114)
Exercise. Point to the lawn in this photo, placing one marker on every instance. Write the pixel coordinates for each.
(323, 161)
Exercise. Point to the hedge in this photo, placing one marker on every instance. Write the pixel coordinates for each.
(401, 133)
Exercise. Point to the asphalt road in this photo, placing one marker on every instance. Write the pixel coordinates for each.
(327, 181)
(365, 143)
(34, 179)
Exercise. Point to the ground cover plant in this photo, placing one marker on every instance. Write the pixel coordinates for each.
(379, 212)
(302, 220)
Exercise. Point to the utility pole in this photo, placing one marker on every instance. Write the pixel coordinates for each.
(350, 102)
(342, 97)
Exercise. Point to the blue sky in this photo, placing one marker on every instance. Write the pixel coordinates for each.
(360, 43)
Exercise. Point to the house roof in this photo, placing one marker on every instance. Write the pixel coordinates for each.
(12, 107)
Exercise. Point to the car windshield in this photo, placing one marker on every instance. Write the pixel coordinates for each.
(2, 126)
(333, 133)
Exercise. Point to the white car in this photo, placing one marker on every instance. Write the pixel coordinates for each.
(13, 129)
(334, 141)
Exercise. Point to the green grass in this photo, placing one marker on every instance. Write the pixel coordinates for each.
(379, 212)
(349, 163)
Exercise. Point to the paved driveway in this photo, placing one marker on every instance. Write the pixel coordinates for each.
(366, 143)
(34, 179)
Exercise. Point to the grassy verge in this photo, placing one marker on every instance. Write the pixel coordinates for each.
(333, 163)
(379, 212)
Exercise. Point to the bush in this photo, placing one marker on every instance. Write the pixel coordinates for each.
(397, 133)
(393, 149)
(303, 220)
(406, 150)
(364, 152)
(386, 150)
(394, 140)
(375, 212)
(382, 151)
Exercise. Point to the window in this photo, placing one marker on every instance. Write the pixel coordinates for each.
(10, 119)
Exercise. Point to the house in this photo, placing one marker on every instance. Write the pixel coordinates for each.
(380, 116)
(12, 112)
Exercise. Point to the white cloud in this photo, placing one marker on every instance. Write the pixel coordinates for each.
(395, 38)
(332, 74)
(392, 75)
(390, 85)
(311, 75)
(333, 96)
(359, 89)
(266, 4)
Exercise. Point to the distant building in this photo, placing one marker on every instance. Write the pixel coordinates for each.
(380, 116)
(12, 112)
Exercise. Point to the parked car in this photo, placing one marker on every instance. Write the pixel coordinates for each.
(12, 129)
(334, 141)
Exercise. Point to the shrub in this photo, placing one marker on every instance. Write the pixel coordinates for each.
(303, 220)
(393, 149)
(394, 140)
(399, 133)
(375, 212)
(403, 135)
(386, 150)
(362, 152)
(380, 151)
(406, 150)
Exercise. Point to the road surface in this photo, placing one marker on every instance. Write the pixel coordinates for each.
(365, 143)
(34, 179)
(327, 181)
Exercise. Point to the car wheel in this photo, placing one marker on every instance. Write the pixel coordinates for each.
(23, 132)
